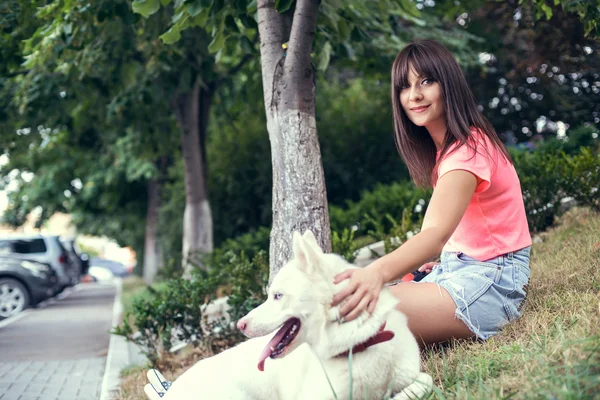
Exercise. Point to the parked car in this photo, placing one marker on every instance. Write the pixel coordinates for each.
(24, 283)
(46, 249)
(77, 256)
(117, 268)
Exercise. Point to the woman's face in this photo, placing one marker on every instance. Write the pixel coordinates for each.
(423, 102)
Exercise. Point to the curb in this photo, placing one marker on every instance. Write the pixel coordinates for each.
(118, 354)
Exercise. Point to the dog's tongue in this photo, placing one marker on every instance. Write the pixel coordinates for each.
(272, 344)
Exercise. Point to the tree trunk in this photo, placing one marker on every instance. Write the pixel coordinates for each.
(151, 250)
(299, 194)
(192, 114)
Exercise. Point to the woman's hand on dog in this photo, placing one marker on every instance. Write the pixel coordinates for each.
(362, 292)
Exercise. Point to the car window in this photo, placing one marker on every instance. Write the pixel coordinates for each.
(23, 246)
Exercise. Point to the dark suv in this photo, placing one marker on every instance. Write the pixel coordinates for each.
(24, 283)
(45, 249)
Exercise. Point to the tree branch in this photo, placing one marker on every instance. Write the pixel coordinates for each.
(301, 38)
(274, 30)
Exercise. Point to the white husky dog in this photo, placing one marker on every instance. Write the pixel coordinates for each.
(307, 358)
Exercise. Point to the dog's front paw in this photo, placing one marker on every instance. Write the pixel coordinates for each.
(157, 386)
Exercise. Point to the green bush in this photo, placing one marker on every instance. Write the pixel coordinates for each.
(549, 175)
(343, 243)
(540, 176)
(248, 278)
(238, 269)
(586, 135)
(173, 313)
(581, 178)
(374, 206)
(399, 232)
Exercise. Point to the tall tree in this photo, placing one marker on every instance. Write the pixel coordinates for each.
(146, 87)
(73, 86)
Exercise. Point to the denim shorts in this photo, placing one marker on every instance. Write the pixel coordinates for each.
(488, 294)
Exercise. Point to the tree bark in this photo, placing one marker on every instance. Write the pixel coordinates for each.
(151, 245)
(299, 194)
(191, 109)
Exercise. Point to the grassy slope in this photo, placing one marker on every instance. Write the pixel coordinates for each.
(553, 352)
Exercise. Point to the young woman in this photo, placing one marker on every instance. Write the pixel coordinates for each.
(475, 219)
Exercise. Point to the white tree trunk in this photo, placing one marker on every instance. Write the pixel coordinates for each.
(197, 220)
(299, 194)
(151, 249)
(197, 234)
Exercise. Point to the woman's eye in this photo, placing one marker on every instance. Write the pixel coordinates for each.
(426, 81)
(277, 296)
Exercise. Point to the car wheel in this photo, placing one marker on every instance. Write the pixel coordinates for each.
(14, 297)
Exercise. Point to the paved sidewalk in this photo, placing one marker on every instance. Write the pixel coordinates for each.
(59, 350)
(52, 380)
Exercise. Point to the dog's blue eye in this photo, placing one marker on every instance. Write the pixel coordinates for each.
(277, 296)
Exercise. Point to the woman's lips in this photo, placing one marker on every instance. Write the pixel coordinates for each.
(419, 109)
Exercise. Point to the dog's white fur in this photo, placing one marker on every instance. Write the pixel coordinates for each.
(305, 289)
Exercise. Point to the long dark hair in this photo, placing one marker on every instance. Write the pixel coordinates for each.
(432, 60)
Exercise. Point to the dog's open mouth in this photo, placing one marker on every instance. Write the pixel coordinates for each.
(282, 339)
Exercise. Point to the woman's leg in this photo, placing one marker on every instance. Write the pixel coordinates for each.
(430, 312)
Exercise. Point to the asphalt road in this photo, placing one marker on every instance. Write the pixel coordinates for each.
(69, 328)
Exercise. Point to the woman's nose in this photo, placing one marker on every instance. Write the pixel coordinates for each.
(415, 94)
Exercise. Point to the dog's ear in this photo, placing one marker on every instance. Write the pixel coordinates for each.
(310, 239)
(306, 254)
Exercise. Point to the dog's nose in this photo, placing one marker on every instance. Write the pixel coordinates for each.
(241, 325)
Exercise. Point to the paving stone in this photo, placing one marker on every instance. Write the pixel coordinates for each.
(50, 380)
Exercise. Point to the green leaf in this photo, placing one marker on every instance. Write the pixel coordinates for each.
(202, 18)
(146, 7)
(172, 35)
(165, 2)
(45, 11)
(344, 30)
(410, 7)
(283, 5)
(217, 43)
(324, 56)
(195, 8)
(251, 7)
(547, 10)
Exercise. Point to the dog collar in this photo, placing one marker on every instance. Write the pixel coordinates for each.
(380, 337)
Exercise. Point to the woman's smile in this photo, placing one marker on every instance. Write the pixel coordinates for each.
(420, 109)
